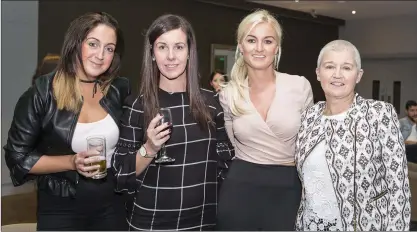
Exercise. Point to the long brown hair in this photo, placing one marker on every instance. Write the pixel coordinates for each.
(150, 73)
(65, 86)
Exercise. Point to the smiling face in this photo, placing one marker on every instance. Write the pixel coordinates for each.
(338, 73)
(260, 46)
(98, 50)
(171, 54)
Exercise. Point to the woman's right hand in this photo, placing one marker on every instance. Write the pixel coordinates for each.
(157, 135)
(84, 161)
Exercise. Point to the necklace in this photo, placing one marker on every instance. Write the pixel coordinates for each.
(96, 82)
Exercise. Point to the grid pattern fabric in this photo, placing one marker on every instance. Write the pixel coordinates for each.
(180, 195)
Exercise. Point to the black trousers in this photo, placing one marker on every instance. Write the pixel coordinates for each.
(96, 207)
(259, 197)
(411, 153)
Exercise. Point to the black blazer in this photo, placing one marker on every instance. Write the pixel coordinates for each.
(39, 128)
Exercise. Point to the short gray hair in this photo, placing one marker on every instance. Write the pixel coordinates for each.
(338, 45)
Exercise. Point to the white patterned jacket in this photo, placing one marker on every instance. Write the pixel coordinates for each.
(367, 164)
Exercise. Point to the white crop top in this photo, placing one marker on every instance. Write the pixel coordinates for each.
(105, 127)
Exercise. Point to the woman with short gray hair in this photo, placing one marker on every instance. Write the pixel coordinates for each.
(350, 154)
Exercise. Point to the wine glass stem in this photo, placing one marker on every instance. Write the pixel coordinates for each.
(162, 152)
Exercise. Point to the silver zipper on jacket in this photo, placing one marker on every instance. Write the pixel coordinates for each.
(378, 196)
(354, 179)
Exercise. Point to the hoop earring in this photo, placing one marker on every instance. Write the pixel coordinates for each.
(238, 55)
(277, 58)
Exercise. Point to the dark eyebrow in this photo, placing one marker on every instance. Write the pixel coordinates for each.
(100, 41)
(178, 43)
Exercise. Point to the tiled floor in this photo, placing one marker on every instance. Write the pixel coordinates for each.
(20, 208)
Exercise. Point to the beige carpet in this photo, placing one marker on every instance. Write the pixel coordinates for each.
(19, 208)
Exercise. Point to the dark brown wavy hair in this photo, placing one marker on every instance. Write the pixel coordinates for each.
(66, 89)
(150, 74)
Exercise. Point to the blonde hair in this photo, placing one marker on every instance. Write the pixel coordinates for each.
(339, 45)
(234, 89)
(67, 92)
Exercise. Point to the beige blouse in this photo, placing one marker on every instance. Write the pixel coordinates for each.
(271, 141)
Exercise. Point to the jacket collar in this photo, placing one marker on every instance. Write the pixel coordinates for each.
(316, 133)
(353, 109)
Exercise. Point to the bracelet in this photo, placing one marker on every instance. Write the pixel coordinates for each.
(151, 156)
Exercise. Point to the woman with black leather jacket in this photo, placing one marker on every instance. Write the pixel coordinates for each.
(54, 117)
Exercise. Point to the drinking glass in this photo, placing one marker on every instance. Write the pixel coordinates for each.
(98, 143)
(162, 156)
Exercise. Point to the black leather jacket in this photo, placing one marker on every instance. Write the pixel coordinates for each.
(39, 128)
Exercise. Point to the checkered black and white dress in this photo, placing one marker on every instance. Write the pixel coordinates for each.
(181, 195)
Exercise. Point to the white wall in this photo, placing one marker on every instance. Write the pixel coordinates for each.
(19, 21)
(383, 37)
(389, 53)
(388, 71)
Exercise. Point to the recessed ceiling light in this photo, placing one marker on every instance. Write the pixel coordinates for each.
(353, 11)
(296, 0)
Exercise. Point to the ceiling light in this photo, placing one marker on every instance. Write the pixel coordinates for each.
(296, 0)
(353, 11)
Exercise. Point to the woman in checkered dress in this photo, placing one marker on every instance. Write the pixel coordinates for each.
(181, 195)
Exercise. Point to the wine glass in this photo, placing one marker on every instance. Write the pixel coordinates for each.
(162, 156)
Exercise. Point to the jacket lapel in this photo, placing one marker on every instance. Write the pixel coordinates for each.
(315, 130)
(312, 135)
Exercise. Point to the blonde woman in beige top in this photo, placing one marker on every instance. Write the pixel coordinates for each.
(262, 109)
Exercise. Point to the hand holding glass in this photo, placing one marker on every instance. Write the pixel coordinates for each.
(98, 143)
(162, 156)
